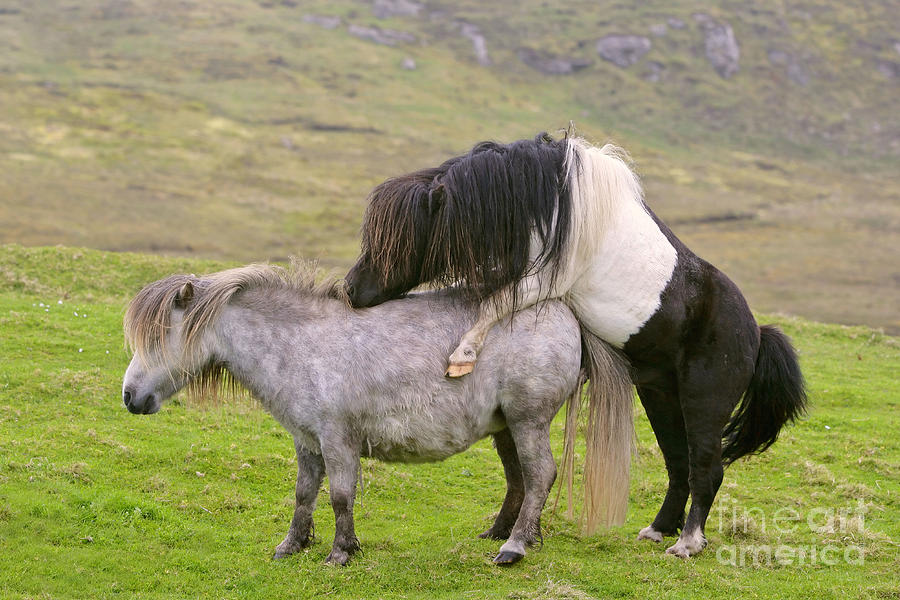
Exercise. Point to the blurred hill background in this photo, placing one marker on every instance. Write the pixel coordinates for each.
(767, 134)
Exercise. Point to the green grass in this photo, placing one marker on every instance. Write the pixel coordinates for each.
(96, 502)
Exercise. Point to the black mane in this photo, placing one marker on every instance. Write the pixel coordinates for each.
(471, 220)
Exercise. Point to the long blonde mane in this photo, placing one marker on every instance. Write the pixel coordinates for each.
(148, 317)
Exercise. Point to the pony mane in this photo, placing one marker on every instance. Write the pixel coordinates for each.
(471, 220)
(148, 316)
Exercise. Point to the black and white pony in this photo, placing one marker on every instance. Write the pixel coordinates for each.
(544, 218)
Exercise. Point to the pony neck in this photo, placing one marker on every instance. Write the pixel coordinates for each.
(264, 343)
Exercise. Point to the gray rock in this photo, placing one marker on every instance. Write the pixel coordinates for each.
(795, 71)
(676, 23)
(478, 42)
(322, 21)
(551, 64)
(408, 63)
(897, 47)
(889, 69)
(654, 72)
(659, 29)
(721, 46)
(623, 50)
(384, 9)
(388, 37)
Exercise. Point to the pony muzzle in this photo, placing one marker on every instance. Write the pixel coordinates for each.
(138, 404)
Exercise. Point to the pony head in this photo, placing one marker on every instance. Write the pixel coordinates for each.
(472, 221)
(170, 327)
(397, 240)
(154, 329)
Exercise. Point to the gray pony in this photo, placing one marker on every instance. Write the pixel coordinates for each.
(349, 383)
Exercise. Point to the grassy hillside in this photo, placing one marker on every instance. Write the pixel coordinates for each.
(96, 502)
(250, 130)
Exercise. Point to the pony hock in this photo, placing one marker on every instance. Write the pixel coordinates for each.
(512, 224)
(351, 383)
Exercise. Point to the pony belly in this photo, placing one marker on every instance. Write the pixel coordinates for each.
(410, 438)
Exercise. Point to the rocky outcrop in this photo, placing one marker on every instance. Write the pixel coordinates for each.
(888, 68)
(676, 23)
(478, 42)
(623, 50)
(384, 9)
(654, 71)
(721, 46)
(322, 21)
(795, 71)
(408, 64)
(659, 29)
(551, 64)
(388, 37)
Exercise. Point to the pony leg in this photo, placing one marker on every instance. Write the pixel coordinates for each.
(527, 292)
(707, 402)
(342, 466)
(706, 474)
(664, 412)
(515, 488)
(538, 474)
(310, 471)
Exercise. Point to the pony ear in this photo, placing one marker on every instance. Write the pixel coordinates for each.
(436, 195)
(184, 295)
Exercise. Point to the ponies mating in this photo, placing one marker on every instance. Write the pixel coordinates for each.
(349, 383)
(513, 224)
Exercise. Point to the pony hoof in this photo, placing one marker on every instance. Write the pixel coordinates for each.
(686, 548)
(459, 369)
(648, 533)
(337, 558)
(679, 551)
(507, 558)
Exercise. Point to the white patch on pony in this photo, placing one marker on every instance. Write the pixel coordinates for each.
(620, 261)
(688, 544)
(649, 533)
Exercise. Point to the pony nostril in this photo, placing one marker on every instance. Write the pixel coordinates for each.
(126, 397)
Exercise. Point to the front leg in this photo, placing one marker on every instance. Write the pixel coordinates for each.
(526, 293)
(310, 471)
(342, 464)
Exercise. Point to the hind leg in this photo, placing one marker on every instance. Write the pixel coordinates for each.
(664, 412)
(705, 444)
(310, 471)
(707, 402)
(515, 488)
(538, 474)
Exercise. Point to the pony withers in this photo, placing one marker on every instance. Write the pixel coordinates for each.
(512, 224)
(349, 383)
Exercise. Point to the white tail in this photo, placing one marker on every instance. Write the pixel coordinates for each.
(609, 436)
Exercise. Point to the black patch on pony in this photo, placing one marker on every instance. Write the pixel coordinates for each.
(776, 396)
(471, 219)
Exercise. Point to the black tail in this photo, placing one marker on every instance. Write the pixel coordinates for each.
(776, 396)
